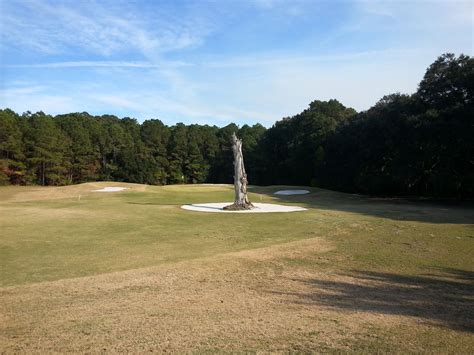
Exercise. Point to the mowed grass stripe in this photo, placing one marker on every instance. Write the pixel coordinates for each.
(96, 233)
(72, 231)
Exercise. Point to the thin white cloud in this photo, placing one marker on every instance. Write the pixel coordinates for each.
(118, 101)
(285, 59)
(22, 90)
(156, 104)
(94, 29)
(419, 14)
(101, 64)
(260, 93)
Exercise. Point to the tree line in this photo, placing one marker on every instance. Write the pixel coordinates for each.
(420, 144)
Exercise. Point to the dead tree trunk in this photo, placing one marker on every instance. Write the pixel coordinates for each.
(240, 178)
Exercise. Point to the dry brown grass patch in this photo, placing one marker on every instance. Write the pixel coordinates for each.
(231, 302)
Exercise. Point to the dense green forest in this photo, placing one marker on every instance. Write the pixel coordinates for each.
(420, 144)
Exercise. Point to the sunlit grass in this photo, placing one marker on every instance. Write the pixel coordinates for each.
(364, 274)
(71, 231)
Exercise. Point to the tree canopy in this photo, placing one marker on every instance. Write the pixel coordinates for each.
(419, 144)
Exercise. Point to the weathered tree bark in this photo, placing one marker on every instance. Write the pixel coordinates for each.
(240, 178)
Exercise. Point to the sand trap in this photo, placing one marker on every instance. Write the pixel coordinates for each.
(111, 189)
(292, 192)
(259, 208)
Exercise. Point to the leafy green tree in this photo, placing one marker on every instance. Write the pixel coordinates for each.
(222, 168)
(83, 155)
(295, 145)
(417, 145)
(209, 147)
(254, 159)
(195, 167)
(46, 148)
(12, 167)
(110, 137)
(177, 154)
(155, 136)
(448, 82)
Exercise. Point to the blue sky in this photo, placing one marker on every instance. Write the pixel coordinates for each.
(216, 62)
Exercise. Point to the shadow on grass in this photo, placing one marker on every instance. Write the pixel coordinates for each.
(420, 210)
(446, 300)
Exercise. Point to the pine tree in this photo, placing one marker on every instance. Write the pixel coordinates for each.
(155, 136)
(177, 154)
(12, 167)
(83, 156)
(46, 147)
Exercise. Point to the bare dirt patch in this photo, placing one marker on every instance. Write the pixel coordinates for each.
(299, 248)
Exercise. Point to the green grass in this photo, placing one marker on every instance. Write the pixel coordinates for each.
(397, 275)
(60, 236)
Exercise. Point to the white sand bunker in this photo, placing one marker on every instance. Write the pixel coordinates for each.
(111, 189)
(292, 192)
(259, 208)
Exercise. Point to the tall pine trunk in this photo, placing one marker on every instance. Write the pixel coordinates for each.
(43, 168)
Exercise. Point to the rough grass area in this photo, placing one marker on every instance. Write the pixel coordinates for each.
(132, 271)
